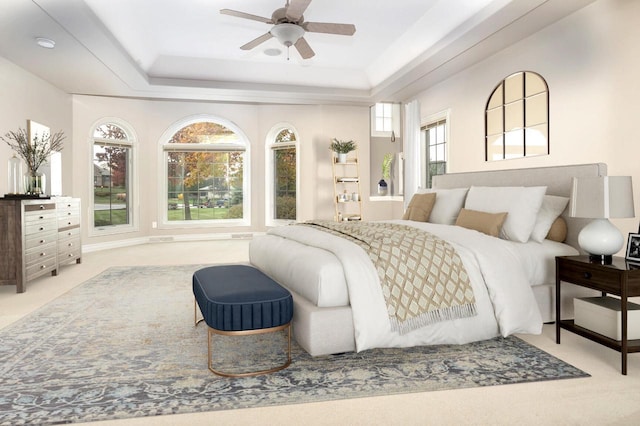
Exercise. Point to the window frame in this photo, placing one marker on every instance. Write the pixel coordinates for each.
(432, 121)
(270, 146)
(132, 177)
(163, 145)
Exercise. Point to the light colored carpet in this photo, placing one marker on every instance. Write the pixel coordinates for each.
(123, 345)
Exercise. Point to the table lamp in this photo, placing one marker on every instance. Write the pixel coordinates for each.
(601, 198)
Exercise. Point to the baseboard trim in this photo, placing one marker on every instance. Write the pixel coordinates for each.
(88, 248)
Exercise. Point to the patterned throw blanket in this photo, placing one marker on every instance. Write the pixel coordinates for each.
(422, 277)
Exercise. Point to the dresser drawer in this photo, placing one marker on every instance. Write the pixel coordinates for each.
(69, 233)
(43, 226)
(68, 244)
(40, 239)
(68, 222)
(32, 207)
(69, 256)
(44, 252)
(599, 278)
(39, 216)
(42, 267)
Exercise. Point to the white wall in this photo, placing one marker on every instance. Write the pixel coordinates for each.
(23, 97)
(591, 63)
(316, 125)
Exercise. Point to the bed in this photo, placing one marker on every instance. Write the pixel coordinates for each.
(515, 295)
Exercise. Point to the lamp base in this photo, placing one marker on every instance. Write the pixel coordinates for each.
(602, 259)
(600, 238)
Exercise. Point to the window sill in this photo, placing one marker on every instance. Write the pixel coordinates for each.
(386, 198)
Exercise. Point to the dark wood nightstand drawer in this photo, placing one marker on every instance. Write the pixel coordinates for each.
(599, 278)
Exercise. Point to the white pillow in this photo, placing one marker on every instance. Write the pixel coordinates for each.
(552, 207)
(522, 204)
(448, 204)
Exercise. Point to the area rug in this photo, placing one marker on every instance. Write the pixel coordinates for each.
(124, 344)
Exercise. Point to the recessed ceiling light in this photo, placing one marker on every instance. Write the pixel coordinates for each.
(47, 43)
(272, 52)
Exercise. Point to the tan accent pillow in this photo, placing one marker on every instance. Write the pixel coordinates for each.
(558, 230)
(487, 223)
(420, 207)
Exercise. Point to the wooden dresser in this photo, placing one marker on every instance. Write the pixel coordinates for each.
(36, 235)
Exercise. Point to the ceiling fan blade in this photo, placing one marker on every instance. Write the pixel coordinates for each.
(327, 28)
(256, 42)
(296, 8)
(246, 16)
(304, 49)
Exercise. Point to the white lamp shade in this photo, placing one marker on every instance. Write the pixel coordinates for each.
(602, 197)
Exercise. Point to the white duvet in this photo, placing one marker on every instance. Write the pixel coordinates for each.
(504, 299)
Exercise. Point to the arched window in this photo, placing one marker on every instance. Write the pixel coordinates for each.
(282, 175)
(206, 173)
(112, 172)
(517, 118)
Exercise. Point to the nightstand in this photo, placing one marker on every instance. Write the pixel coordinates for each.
(619, 278)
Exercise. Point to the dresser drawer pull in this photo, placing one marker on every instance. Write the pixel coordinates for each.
(70, 233)
(41, 228)
(70, 245)
(69, 214)
(587, 275)
(43, 266)
(70, 255)
(43, 254)
(43, 241)
(40, 217)
(42, 207)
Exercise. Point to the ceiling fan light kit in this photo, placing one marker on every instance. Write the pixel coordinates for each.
(289, 27)
(287, 34)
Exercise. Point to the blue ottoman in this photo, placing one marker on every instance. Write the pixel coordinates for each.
(238, 300)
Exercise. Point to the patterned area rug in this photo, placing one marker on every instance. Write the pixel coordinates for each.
(123, 345)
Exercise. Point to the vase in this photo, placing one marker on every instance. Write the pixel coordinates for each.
(35, 183)
(342, 157)
(15, 175)
(382, 187)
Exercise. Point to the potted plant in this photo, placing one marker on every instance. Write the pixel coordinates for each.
(34, 153)
(386, 173)
(342, 148)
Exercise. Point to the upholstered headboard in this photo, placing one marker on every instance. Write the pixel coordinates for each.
(557, 179)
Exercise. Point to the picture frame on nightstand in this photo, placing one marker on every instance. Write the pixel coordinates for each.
(633, 248)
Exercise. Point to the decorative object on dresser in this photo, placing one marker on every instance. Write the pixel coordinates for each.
(38, 235)
(618, 278)
(34, 146)
(346, 187)
(601, 198)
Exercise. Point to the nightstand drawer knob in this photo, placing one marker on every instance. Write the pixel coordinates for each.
(587, 275)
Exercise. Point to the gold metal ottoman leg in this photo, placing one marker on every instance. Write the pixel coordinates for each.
(212, 331)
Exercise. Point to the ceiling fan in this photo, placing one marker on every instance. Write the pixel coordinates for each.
(289, 27)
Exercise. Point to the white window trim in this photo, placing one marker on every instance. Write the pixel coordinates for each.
(269, 171)
(395, 119)
(132, 170)
(163, 220)
(426, 121)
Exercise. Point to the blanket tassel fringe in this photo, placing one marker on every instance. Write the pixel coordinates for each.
(432, 317)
